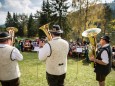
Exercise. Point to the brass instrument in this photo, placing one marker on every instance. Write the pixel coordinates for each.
(45, 28)
(91, 34)
(92, 48)
(12, 31)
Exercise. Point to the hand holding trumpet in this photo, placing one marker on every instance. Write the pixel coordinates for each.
(92, 58)
(41, 43)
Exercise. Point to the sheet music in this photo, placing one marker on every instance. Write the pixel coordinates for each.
(79, 49)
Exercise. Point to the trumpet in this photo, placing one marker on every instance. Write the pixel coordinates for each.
(92, 48)
(45, 29)
(12, 31)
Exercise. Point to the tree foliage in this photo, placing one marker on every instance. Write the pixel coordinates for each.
(44, 17)
(89, 15)
(9, 20)
(22, 22)
(59, 9)
(105, 18)
(54, 12)
(26, 27)
(32, 29)
(111, 25)
(85, 14)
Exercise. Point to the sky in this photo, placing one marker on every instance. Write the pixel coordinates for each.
(21, 6)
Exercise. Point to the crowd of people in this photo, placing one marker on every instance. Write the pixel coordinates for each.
(27, 44)
(79, 49)
(54, 53)
(30, 45)
(113, 56)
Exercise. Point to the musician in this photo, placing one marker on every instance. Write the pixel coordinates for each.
(103, 60)
(9, 57)
(55, 54)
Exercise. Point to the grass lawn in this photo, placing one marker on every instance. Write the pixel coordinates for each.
(79, 72)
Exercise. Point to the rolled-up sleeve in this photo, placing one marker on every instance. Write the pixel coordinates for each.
(44, 52)
(105, 57)
(16, 55)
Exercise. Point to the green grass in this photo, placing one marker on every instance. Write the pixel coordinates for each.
(79, 72)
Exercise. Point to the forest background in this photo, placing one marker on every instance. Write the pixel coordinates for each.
(84, 14)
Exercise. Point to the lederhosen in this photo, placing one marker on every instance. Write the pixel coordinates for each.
(103, 70)
(55, 80)
(13, 82)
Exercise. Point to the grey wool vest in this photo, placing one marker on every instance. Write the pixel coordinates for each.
(9, 69)
(56, 63)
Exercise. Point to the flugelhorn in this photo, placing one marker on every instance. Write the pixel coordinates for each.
(12, 31)
(45, 28)
(91, 34)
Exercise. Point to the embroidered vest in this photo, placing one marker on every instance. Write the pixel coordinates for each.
(56, 63)
(9, 69)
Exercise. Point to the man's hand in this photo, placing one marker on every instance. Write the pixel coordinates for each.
(92, 58)
(41, 43)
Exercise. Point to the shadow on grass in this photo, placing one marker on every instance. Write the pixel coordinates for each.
(76, 59)
(85, 62)
(113, 68)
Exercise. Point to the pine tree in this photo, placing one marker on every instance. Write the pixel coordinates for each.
(105, 18)
(59, 9)
(21, 21)
(44, 16)
(15, 20)
(9, 20)
(46, 12)
(32, 29)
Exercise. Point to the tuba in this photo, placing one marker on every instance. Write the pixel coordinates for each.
(12, 31)
(45, 29)
(91, 34)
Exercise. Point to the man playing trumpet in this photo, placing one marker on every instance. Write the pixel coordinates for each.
(9, 57)
(55, 54)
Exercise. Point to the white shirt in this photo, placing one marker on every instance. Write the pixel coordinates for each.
(16, 55)
(104, 55)
(45, 51)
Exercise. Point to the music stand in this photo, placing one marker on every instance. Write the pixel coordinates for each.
(78, 50)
